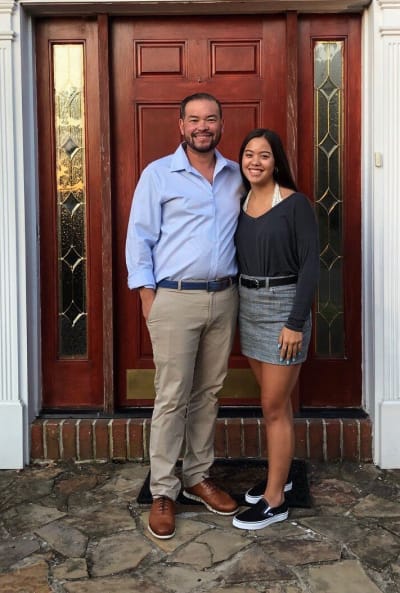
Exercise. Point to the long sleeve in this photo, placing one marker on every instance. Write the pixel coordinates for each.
(307, 247)
(143, 232)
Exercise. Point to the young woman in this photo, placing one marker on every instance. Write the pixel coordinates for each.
(278, 254)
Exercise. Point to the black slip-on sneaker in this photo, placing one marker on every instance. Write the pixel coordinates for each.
(261, 515)
(256, 493)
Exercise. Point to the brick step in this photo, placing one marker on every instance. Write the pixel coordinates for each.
(338, 439)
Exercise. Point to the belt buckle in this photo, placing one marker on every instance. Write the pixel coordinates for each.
(257, 283)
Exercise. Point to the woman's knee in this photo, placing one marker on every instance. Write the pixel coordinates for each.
(275, 411)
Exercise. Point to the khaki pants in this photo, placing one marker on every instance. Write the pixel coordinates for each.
(192, 333)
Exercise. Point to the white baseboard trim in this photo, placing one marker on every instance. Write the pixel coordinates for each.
(12, 436)
(387, 435)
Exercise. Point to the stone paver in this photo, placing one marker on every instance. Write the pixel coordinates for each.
(254, 564)
(68, 528)
(346, 577)
(118, 553)
(71, 569)
(14, 549)
(28, 579)
(67, 540)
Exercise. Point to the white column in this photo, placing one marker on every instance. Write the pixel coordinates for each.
(384, 163)
(12, 230)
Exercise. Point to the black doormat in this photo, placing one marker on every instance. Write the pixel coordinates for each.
(236, 476)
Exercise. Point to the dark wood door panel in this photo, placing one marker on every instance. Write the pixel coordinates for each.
(241, 62)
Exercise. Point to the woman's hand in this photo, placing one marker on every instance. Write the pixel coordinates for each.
(289, 344)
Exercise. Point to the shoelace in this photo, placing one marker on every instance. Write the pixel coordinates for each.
(162, 503)
(211, 486)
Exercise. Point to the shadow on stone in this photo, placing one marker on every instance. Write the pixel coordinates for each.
(236, 476)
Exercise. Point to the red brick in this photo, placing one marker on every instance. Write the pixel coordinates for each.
(316, 439)
(220, 439)
(234, 437)
(85, 432)
(52, 434)
(350, 440)
(250, 437)
(300, 432)
(101, 450)
(118, 436)
(37, 440)
(365, 440)
(68, 439)
(333, 440)
(135, 439)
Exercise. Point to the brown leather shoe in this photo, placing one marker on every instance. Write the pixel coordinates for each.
(215, 499)
(162, 518)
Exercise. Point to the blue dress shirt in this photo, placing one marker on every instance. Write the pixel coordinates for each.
(182, 227)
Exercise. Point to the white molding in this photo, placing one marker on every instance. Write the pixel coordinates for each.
(12, 435)
(14, 298)
(389, 5)
(384, 239)
(367, 218)
(8, 233)
(7, 6)
(388, 445)
(11, 410)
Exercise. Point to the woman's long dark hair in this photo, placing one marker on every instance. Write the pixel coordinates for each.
(282, 173)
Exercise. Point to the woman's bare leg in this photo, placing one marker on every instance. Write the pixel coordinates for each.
(277, 383)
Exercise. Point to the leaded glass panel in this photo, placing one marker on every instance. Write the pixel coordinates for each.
(328, 155)
(69, 125)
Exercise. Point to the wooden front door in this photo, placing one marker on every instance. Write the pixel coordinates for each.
(155, 64)
(258, 67)
(299, 75)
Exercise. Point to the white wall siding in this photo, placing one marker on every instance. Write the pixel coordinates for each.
(385, 245)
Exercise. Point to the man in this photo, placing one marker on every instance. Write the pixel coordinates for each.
(181, 257)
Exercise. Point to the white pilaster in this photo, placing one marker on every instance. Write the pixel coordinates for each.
(385, 245)
(12, 237)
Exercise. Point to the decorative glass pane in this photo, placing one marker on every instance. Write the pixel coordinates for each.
(328, 155)
(69, 128)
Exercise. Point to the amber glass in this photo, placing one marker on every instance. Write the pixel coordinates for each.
(69, 126)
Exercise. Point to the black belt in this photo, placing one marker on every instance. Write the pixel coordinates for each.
(267, 282)
(210, 286)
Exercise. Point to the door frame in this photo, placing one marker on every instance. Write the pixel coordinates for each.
(57, 8)
(48, 8)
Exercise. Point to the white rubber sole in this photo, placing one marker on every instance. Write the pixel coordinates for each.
(255, 499)
(160, 536)
(209, 507)
(259, 524)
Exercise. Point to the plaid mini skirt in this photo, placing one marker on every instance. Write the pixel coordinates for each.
(262, 314)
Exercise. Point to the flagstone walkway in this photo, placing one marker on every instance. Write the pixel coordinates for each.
(68, 528)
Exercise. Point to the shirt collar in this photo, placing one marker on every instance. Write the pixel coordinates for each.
(180, 162)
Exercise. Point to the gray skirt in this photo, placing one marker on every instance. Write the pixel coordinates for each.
(262, 314)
